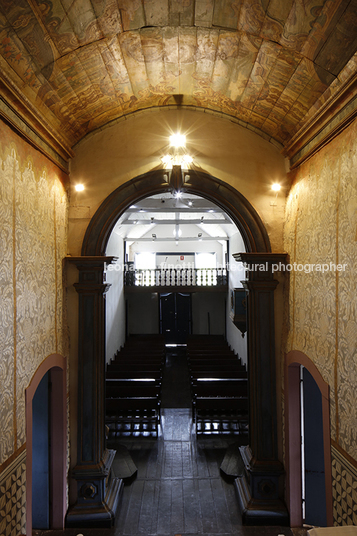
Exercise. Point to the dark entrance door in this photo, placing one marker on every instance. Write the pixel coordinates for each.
(41, 455)
(314, 473)
(175, 317)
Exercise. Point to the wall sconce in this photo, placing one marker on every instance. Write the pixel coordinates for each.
(276, 187)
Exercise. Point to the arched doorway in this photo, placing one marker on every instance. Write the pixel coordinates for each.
(46, 445)
(308, 444)
(259, 488)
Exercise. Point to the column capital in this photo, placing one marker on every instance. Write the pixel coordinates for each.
(262, 266)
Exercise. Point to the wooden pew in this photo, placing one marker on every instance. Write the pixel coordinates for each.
(220, 414)
(134, 414)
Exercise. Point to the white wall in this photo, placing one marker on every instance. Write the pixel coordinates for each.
(143, 312)
(212, 303)
(115, 301)
(182, 247)
(236, 275)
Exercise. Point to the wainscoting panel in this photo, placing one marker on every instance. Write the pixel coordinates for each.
(344, 489)
(13, 498)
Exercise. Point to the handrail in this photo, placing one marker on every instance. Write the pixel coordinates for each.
(173, 277)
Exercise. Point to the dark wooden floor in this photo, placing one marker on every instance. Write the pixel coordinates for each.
(179, 489)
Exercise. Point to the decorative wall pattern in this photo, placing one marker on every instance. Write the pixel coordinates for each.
(320, 228)
(33, 216)
(344, 489)
(85, 63)
(12, 497)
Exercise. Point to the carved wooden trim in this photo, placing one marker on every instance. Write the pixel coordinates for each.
(196, 182)
(293, 360)
(334, 116)
(55, 363)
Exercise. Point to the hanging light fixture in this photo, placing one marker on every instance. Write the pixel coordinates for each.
(177, 155)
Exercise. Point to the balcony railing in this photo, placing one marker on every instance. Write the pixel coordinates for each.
(173, 277)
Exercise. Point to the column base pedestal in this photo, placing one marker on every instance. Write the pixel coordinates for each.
(259, 512)
(99, 491)
(97, 515)
(257, 492)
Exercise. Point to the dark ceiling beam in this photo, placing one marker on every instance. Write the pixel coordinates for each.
(180, 239)
(175, 222)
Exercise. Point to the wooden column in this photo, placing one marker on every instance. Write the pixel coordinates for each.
(98, 490)
(260, 488)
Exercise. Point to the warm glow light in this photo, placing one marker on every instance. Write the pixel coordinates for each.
(276, 187)
(79, 187)
(167, 159)
(187, 159)
(178, 140)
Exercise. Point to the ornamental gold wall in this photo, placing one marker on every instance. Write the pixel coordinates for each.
(321, 227)
(33, 243)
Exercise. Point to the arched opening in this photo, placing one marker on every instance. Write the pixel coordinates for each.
(308, 444)
(263, 503)
(197, 182)
(46, 445)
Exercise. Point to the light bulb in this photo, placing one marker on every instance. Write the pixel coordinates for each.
(178, 140)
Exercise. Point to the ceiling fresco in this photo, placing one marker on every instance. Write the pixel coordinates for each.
(268, 63)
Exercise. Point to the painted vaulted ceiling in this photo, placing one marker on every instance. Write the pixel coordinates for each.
(268, 63)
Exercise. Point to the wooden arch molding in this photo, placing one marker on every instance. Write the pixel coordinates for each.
(293, 361)
(199, 183)
(93, 458)
(55, 363)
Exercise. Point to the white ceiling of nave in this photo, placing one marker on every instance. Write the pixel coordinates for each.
(268, 63)
(160, 214)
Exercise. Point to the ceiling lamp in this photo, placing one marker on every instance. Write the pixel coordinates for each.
(177, 232)
(177, 155)
(79, 187)
(276, 187)
(178, 140)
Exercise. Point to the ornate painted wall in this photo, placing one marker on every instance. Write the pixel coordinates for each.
(320, 228)
(33, 242)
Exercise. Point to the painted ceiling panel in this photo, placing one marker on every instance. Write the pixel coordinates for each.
(265, 61)
(132, 14)
(324, 25)
(204, 13)
(247, 56)
(275, 19)
(83, 20)
(171, 59)
(207, 43)
(156, 13)
(187, 59)
(300, 21)
(252, 15)
(182, 13)
(343, 37)
(134, 60)
(272, 63)
(153, 52)
(58, 26)
(278, 79)
(227, 51)
(226, 13)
